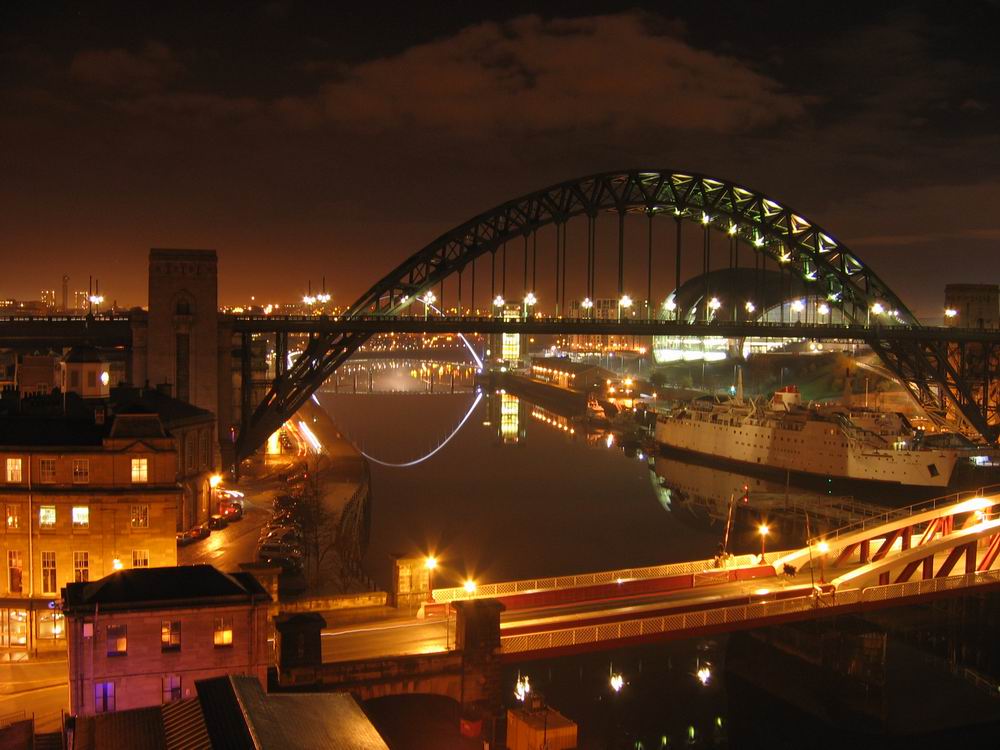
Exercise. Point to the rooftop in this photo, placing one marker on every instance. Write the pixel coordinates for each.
(149, 587)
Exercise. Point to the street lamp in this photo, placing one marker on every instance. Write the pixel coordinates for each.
(616, 681)
(750, 307)
(823, 309)
(625, 302)
(797, 307)
(469, 586)
(529, 300)
(763, 530)
(428, 299)
(430, 563)
(96, 300)
(587, 304)
(498, 303)
(823, 548)
(950, 312)
(213, 482)
(713, 307)
(877, 308)
(670, 306)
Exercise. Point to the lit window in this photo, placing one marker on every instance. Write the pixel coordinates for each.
(117, 640)
(13, 517)
(46, 470)
(81, 470)
(140, 470)
(15, 569)
(224, 631)
(171, 688)
(140, 558)
(13, 470)
(170, 635)
(104, 697)
(140, 516)
(81, 516)
(48, 572)
(47, 517)
(81, 567)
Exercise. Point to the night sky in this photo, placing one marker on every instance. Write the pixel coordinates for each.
(302, 140)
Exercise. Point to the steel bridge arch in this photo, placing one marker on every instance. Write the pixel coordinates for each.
(770, 227)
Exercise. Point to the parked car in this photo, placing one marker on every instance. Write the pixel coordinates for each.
(196, 533)
(275, 551)
(285, 534)
(183, 538)
(288, 564)
(232, 511)
(217, 522)
(285, 502)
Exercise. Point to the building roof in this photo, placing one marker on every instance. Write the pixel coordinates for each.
(238, 714)
(83, 353)
(172, 410)
(27, 431)
(179, 725)
(141, 588)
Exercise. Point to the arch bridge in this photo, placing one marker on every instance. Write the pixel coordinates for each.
(549, 256)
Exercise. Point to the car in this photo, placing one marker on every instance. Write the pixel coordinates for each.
(196, 533)
(300, 477)
(217, 522)
(183, 538)
(280, 551)
(286, 563)
(232, 511)
(285, 502)
(286, 516)
(287, 534)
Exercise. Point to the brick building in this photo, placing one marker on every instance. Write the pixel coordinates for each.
(81, 498)
(143, 637)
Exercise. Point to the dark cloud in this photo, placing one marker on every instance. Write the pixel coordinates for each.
(530, 74)
(121, 70)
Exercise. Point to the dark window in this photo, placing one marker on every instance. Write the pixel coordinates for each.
(183, 307)
(183, 366)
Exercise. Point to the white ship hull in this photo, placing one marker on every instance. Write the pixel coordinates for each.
(811, 447)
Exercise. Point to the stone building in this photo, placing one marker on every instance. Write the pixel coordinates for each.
(143, 637)
(972, 305)
(82, 497)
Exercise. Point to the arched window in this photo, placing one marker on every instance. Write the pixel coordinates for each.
(183, 307)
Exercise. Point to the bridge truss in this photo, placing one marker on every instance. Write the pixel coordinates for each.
(952, 384)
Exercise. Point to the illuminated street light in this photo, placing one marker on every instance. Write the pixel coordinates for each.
(617, 682)
(624, 303)
(750, 306)
(704, 673)
(117, 564)
(529, 300)
(950, 312)
(469, 586)
(763, 530)
(430, 563)
(797, 307)
(428, 299)
(877, 308)
(522, 687)
(705, 219)
(823, 309)
(323, 297)
(713, 307)
(309, 299)
(498, 302)
(823, 548)
(670, 306)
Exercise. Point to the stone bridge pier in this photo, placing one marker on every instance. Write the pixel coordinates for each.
(469, 674)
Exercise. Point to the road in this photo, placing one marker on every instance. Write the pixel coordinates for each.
(411, 635)
(37, 688)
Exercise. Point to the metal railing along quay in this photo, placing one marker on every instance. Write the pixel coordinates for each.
(894, 514)
(531, 585)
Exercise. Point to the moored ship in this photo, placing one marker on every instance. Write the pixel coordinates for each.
(831, 441)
